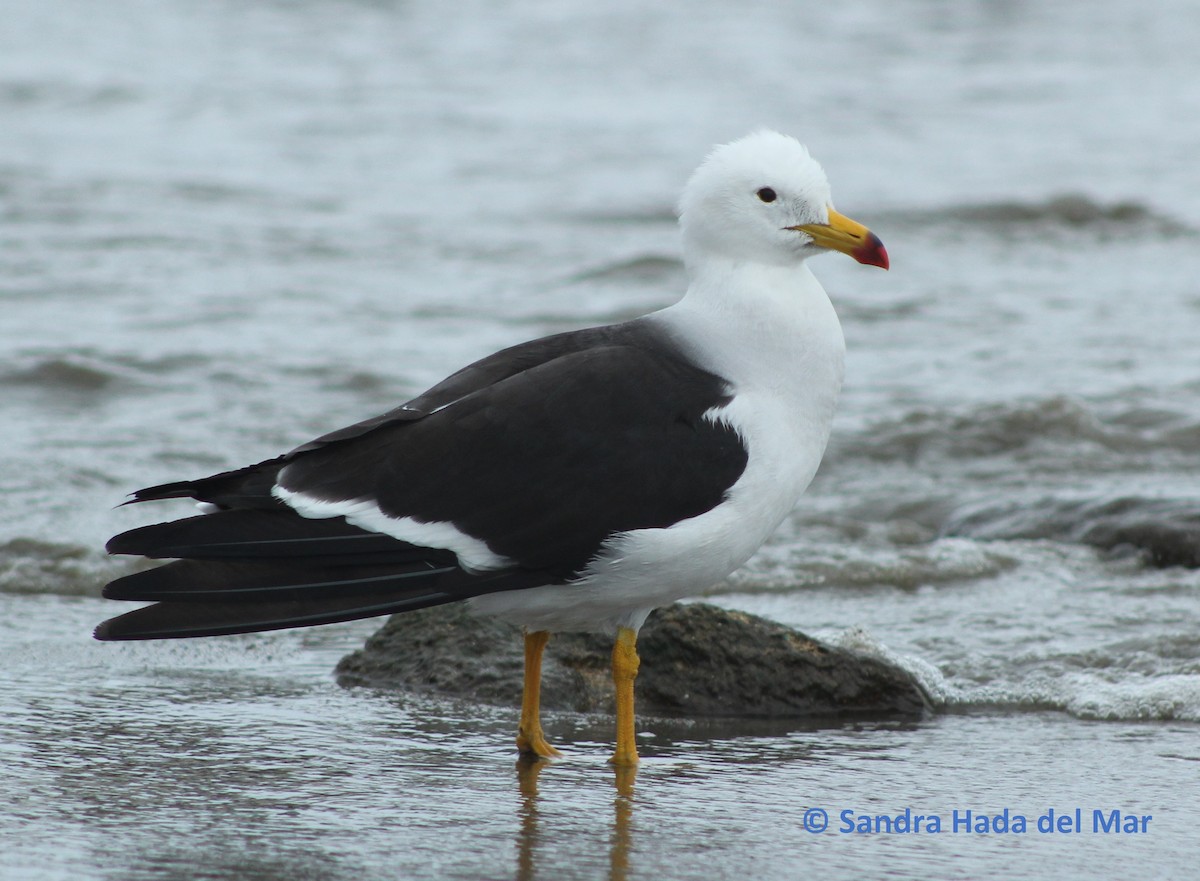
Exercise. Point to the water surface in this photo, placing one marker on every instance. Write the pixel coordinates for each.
(225, 229)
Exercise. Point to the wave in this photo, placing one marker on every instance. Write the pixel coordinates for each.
(22, 93)
(867, 564)
(68, 373)
(87, 373)
(1165, 531)
(655, 216)
(1009, 427)
(32, 566)
(1130, 682)
(646, 269)
(1063, 212)
(1110, 475)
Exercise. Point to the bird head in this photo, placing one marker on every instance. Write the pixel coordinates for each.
(763, 198)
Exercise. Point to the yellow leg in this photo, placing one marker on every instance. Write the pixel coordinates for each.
(530, 739)
(625, 667)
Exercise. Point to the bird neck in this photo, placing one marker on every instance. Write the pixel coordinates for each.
(773, 335)
(763, 325)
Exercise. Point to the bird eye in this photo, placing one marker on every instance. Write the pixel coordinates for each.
(767, 194)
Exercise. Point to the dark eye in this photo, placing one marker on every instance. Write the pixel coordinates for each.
(767, 194)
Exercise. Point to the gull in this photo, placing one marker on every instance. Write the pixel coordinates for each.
(571, 483)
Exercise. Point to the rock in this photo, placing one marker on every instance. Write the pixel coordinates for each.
(697, 661)
(1164, 532)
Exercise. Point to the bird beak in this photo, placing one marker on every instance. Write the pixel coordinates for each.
(849, 237)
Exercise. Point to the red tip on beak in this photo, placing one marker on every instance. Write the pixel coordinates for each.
(871, 252)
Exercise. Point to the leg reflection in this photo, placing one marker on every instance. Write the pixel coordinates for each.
(528, 769)
(618, 855)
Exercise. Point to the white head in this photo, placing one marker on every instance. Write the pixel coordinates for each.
(763, 199)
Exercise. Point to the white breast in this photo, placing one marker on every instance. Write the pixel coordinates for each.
(773, 334)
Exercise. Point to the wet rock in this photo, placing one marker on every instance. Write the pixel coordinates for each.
(697, 661)
(1165, 532)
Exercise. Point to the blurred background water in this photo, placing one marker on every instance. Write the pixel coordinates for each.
(226, 228)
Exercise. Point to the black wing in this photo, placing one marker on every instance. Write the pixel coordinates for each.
(545, 465)
(580, 437)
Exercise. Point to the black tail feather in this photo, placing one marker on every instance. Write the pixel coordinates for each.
(258, 565)
(201, 581)
(269, 535)
(241, 488)
(179, 620)
(241, 571)
(302, 605)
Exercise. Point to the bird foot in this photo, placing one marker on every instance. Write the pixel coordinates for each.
(535, 744)
(624, 758)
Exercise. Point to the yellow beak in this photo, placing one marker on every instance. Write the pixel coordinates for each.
(849, 237)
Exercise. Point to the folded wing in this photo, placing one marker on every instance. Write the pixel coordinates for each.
(540, 454)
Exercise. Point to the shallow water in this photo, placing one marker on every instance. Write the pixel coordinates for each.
(239, 758)
(226, 229)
